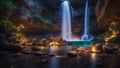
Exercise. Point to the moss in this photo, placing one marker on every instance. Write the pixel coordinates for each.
(7, 26)
(43, 19)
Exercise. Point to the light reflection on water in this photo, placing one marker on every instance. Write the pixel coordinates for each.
(54, 63)
(60, 60)
(93, 60)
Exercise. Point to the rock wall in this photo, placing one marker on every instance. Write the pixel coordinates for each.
(49, 9)
(107, 11)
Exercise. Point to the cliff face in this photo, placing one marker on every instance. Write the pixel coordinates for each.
(23, 15)
(107, 11)
(49, 9)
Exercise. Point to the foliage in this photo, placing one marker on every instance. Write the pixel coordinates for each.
(7, 26)
(43, 19)
(114, 31)
(7, 5)
(115, 26)
(22, 39)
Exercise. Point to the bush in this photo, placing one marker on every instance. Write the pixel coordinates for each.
(6, 26)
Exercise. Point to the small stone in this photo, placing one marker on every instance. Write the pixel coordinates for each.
(16, 55)
(27, 52)
(44, 61)
(40, 53)
(51, 55)
(35, 49)
(14, 48)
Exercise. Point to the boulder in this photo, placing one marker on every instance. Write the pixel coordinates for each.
(50, 55)
(16, 55)
(81, 49)
(35, 49)
(14, 48)
(72, 54)
(97, 48)
(108, 49)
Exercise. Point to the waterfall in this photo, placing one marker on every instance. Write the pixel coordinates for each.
(66, 21)
(85, 36)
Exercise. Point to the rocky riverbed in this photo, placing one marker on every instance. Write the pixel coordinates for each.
(62, 57)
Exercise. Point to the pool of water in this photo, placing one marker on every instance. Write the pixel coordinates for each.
(81, 43)
(60, 60)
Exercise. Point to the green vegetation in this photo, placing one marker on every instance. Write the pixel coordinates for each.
(43, 19)
(115, 26)
(114, 32)
(7, 26)
(8, 29)
(7, 5)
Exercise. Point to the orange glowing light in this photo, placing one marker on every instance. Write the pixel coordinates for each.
(75, 37)
(54, 44)
(93, 55)
(20, 27)
(114, 34)
(93, 49)
(55, 48)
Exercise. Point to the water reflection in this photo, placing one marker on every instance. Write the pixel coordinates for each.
(54, 49)
(93, 60)
(68, 48)
(54, 63)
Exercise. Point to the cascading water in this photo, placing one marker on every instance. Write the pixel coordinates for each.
(85, 36)
(66, 21)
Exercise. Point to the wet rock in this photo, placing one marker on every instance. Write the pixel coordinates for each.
(97, 48)
(50, 55)
(59, 56)
(87, 51)
(43, 61)
(108, 49)
(72, 54)
(40, 53)
(16, 55)
(116, 47)
(35, 49)
(81, 49)
(27, 52)
(14, 48)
